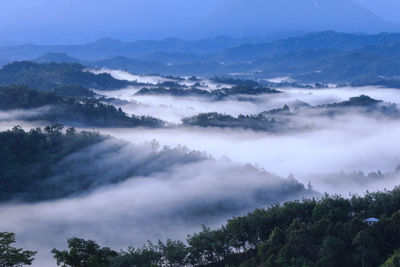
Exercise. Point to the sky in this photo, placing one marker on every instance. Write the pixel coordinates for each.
(387, 9)
(80, 21)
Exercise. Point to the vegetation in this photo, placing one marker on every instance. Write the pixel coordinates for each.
(255, 122)
(283, 119)
(394, 260)
(237, 82)
(72, 111)
(363, 104)
(13, 257)
(322, 56)
(26, 158)
(71, 90)
(48, 76)
(219, 94)
(326, 232)
(84, 253)
(54, 163)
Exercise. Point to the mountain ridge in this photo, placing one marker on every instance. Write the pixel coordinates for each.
(246, 17)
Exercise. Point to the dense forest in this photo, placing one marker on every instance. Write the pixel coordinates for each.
(217, 95)
(362, 104)
(331, 231)
(326, 232)
(26, 158)
(48, 76)
(69, 110)
(255, 122)
(284, 119)
(42, 164)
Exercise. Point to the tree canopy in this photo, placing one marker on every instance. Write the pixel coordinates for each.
(11, 256)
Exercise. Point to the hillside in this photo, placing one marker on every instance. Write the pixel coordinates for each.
(67, 110)
(48, 76)
(329, 232)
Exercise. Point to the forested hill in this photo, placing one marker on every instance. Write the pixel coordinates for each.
(69, 110)
(48, 76)
(26, 158)
(285, 119)
(54, 162)
(329, 232)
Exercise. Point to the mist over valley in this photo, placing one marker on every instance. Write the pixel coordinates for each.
(187, 133)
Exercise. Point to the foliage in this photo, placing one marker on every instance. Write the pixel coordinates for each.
(216, 95)
(394, 260)
(26, 158)
(48, 76)
(13, 257)
(72, 111)
(84, 253)
(325, 232)
(258, 122)
(283, 119)
(237, 82)
(53, 163)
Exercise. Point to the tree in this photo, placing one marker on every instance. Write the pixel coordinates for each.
(70, 131)
(331, 251)
(13, 257)
(84, 253)
(147, 256)
(366, 251)
(174, 252)
(393, 261)
(54, 129)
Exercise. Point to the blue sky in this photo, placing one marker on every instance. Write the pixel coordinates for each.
(77, 21)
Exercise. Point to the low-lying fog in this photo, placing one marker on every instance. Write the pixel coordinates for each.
(177, 192)
(348, 144)
(174, 109)
(331, 154)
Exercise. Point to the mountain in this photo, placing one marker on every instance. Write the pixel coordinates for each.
(321, 56)
(108, 47)
(47, 76)
(318, 40)
(355, 67)
(57, 58)
(253, 17)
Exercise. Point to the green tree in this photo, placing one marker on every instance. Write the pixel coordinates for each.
(147, 256)
(174, 252)
(366, 252)
(10, 256)
(84, 253)
(331, 251)
(393, 261)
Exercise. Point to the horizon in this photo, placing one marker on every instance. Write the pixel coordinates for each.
(71, 22)
(247, 39)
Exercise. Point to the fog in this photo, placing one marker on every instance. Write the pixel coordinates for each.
(171, 200)
(123, 75)
(136, 189)
(22, 114)
(347, 144)
(174, 109)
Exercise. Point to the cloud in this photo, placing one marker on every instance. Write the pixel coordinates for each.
(168, 201)
(139, 191)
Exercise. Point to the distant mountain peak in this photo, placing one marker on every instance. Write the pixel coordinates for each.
(58, 57)
(108, 40)
(257, 17)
